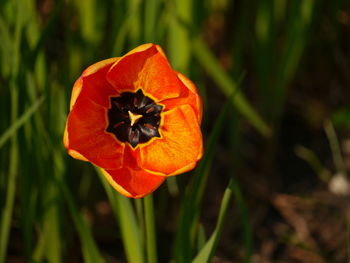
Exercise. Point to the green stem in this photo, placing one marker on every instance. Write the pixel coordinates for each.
(129, 227)
(140, 219)
(150, 230)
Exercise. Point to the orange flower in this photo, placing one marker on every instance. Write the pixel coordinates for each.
(137, 119)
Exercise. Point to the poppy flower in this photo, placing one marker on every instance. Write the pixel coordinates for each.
(137, 119)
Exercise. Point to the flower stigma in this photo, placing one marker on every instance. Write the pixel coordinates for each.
(134, 117)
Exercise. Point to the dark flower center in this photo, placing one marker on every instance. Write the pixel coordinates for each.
(134, 118)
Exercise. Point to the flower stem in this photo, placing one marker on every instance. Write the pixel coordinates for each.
(150, 230)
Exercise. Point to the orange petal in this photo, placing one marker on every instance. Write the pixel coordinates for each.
(145, 68)
(188, 95)
(133, 183)
(71, 152)
(180, 147)
(86, 136)
(93, 84)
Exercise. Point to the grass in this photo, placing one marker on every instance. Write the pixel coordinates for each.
(50, 200)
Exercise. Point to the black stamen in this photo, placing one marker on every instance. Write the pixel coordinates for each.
(118, 124)
(150, 110)
(144, 128)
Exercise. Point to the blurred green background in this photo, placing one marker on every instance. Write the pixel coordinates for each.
(273, 185)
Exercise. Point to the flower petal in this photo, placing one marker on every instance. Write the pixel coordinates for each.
(85, 135)
(180, 147)
(93, 84)
(71, 152)
(188, 95)
(133, 183)
(145, 68)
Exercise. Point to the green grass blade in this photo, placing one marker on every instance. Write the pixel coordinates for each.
(300, 19)
(135, 29)
(88, 20)
(128, 225)
(335, 147)
(90, 250)
(20, 121)
(201, 238)
(264, 49)
(151, 14)
(280, 7)
(315, 163)
(39, 251)
(6, 216)
(29, 199)
(5, 46)
(126, 27)
(207, 252)
(91, 253)
(151, 245)
(51, 224)
(179, 42)
(227, 85)
(10, 199)
(194, 194)
(246, 226)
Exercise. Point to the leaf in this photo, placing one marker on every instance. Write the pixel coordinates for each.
(20, 121)
(194, 193)
(227, 85)
(209, 248)
(91, 253)
(6, 216)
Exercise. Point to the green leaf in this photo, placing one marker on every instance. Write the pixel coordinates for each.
(151, 15)
(300, 16)
(227, 85)
(6, 216)
(207, 252)
(194, 194)
(201, 237)
(179, 40)
(128, 25)
(246, 226)
(91, 253)
(20, 121)
(51, 223)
